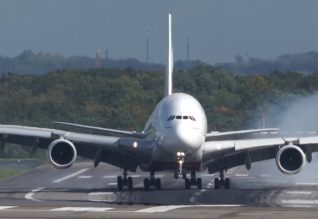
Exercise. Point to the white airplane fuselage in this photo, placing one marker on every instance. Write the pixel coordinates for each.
(177, 125)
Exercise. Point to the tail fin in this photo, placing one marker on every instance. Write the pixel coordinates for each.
(168, 83)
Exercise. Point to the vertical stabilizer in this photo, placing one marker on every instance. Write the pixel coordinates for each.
(168, 83)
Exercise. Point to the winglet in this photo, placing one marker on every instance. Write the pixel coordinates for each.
(168, 83)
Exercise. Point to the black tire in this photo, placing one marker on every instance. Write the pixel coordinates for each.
(187, 183)
(176, 175)
(130, 183)
(221, 182)
(227, 183)
(158, 184)
(120, 183)
(199, 183)
(146, 184)
(216, 183)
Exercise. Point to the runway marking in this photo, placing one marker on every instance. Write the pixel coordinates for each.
(109, 177)
(157, 209)
(165, 208)
(6, 207)
(112, 184)
(306, 183)
(241, 175)
(299, 192)
(70, 175)
(82, 209)
(30, 195)
(85, 177)
(300, 202)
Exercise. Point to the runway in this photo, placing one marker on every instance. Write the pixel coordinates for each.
(83, 191)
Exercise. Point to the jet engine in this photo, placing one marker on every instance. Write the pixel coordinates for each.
(61, 153)
(290, 159)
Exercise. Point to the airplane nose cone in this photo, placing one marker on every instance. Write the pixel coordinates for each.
(187, 139)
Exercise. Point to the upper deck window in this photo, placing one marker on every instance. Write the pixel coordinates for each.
(178, 117)
(185, 117)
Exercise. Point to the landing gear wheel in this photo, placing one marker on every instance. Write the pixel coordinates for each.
(176, 175)
(120, 183)
(146, 184)
(187, 183)
(199, 183)
(227, 183)
(130, 183)
(158, 184)
(216, 183)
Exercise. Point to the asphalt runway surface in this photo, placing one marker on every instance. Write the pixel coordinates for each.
(83, 191)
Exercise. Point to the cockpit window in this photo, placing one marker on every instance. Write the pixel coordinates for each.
(181, 117)
(171, 118)
(192, 118)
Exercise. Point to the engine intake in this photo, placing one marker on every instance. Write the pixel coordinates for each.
(290, 159)
(61, 153)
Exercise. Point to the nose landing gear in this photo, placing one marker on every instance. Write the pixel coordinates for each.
(193, 181)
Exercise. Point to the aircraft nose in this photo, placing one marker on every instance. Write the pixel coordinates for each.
(188, 138)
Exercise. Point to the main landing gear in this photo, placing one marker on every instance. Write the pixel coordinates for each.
(124, 181)
(193, 181)
(152, 181)
(224, 182)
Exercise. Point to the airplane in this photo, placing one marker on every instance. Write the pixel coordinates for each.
(175, 139)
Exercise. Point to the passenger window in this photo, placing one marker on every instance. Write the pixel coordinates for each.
(185, 117)
(178, 117)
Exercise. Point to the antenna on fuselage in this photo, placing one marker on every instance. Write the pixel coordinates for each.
(168, 83)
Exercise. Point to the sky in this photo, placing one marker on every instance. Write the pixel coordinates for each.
(218, 29)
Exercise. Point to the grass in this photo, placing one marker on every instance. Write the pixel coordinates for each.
(7, 173)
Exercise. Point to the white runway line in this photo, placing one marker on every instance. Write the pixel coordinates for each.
(6, 207)
(30, 195)
(112, 184)
(85, 177)
(241, 175)
(165, 208)
(299, 192)
(300, 202)
(82, 209)
(109, 177)
(70, 175)
(306, 184)
(157, 209)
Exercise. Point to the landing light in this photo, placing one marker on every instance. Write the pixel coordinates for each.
(180, 154)
(135, 145)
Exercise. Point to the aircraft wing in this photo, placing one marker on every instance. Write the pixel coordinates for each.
(118, 151)
(115, 132)
(241, 133)
(231, 153)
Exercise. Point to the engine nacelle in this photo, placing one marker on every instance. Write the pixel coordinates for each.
(290, 159)
(61, 153)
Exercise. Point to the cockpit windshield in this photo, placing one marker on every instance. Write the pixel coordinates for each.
(172, 117)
